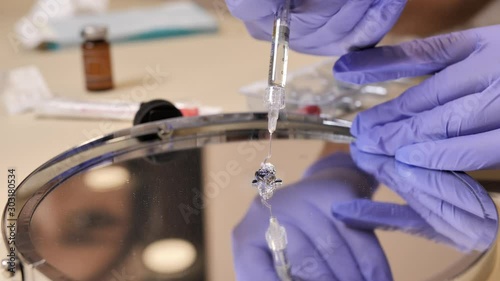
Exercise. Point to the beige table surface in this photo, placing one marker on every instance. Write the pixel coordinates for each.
(208, 68)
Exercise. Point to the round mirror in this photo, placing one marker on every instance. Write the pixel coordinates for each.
(177, 200)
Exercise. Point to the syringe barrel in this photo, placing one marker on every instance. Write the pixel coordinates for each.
(274, 98)
(279, 47)
(279, 56)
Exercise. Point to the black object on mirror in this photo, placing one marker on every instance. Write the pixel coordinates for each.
(156, 110)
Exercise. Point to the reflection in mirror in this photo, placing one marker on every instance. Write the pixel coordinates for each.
(332, 212)
(194, 215)
(123, 220)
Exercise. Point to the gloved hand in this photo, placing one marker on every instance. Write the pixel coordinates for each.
(322, 27)
(319, 246)
(445, 207)
(450, 121)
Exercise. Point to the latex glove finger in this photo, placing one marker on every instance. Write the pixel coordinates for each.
(465, 229)
(249, 10)
(359, 243)
(369, 215)
(251, 252)
(307, 260)
(312, 37)
(468, 115)
(340, 170)
(427, 192)
(453, 83)
(369, 255)
(253, 260)
(352, 32)
(409, 181)
(312, 257)
(406, 60)
(373, 164)
(466, 153)
(256, 10)
(350, 255)
(332, 162)
(376, 23)
(343, 250)
(337, 244)
(306, 34)
(261, 29)
(253, 263)
(366, 214)
(420, 185)
(323, 27)
(409, 59)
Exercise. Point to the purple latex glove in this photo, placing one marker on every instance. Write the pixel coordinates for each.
(319, 246)
(322, 27)
(451, 120)
(445, 207)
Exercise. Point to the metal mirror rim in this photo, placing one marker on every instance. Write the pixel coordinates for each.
(170, 135)
(179, 131)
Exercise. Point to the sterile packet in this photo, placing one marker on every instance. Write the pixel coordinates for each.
(64, 108)
(314, 90)
(22, 88)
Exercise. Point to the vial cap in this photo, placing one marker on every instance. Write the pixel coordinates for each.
(94, 32)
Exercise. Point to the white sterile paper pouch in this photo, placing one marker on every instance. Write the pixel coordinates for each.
(22, 88)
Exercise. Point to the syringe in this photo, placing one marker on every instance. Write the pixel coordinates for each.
(274, 98)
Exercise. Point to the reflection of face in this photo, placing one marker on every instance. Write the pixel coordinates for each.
(80, 231)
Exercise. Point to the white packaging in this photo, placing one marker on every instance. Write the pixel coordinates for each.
(22, 88)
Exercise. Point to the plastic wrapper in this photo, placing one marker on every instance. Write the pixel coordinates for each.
(314, 90)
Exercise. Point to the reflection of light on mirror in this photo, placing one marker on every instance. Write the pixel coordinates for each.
(106, 178)
(169, 256)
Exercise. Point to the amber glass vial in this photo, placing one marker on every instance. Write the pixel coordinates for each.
(96, 58)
